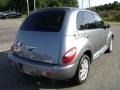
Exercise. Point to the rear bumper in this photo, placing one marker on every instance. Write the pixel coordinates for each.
(60, 72)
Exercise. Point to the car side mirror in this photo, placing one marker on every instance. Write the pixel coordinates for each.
(106, 26)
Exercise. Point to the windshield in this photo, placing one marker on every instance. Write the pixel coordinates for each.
(45, 20)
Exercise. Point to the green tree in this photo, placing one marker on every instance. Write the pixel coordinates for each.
(109, 12)
(17, 5)
(3, 3)
(69, 3)
(41, 3)
(57, 3)
(20, 5)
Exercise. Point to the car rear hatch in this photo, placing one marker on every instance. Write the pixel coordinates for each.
(43, 47)
(40, 36)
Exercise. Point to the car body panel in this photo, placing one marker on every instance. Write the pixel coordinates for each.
(45, 50)
(46, 46)
(59, 72)
(10, 14)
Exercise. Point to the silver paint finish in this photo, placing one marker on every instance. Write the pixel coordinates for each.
(60, 72)
(50, 47)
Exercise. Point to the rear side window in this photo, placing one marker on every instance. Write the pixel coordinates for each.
(80, 20)
(89, 21)
(98, 21)
(45, 20)
(85, 20)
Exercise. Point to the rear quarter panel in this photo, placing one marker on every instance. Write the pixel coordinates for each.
(71, 37)
(82, 44)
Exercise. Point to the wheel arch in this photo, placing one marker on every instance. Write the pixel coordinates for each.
(89, 53)
(110, 35)
(113, 36)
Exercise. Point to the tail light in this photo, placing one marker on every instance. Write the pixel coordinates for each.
(69, 55)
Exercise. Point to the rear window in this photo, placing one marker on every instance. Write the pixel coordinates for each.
(46, 20)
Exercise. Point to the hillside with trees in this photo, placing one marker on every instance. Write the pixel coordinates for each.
(110, 12)
(3, 4)
(20, 5)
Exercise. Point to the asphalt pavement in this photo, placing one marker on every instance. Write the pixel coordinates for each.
(104, 71)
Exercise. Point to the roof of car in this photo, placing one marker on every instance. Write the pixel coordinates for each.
(63, 8)
(71, 9)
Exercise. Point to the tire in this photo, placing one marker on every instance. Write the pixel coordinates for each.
(110, 46)
(82, 70)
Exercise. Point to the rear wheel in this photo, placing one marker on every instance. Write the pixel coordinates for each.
(82, 70)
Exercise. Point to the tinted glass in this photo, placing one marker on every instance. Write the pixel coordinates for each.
(85, 20)
(47, 20)
(98, 21)
(89, 21)
(80, 20)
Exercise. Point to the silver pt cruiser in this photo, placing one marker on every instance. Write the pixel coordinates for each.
(60, 43)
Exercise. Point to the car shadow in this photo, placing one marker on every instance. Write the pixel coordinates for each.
(11, 78)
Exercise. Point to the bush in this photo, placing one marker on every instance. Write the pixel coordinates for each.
(111, 15)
